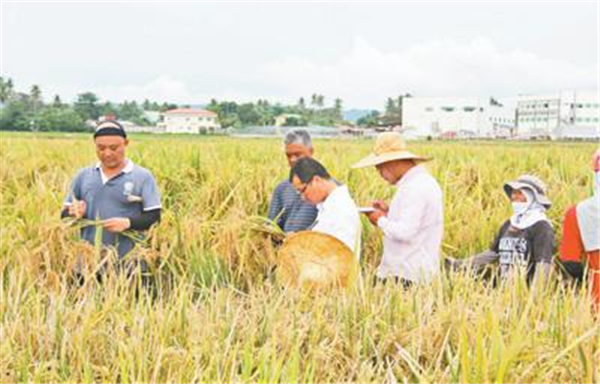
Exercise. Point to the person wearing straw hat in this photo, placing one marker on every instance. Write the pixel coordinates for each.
(525, 241)
(413, 223)
(115, 193)
(581, 237)
(338, 214)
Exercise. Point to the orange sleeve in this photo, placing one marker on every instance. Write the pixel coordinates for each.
(571, 247)
(594, 272)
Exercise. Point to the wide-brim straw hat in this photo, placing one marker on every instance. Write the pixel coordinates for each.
(312, 260)
(531, 183)
(389, 146)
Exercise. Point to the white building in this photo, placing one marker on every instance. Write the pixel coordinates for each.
(188, 120)
(456, 117)
(565, 114)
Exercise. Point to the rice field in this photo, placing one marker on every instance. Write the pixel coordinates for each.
(216, 313)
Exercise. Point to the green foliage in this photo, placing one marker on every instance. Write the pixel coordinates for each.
(232, 114)
(17, 114)
(369, 120)
(87, 106)
(60, 119)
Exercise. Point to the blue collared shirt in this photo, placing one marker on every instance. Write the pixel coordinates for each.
(293, 213)
(126, 194)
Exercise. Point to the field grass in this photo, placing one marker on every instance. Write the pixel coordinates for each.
(217, 314)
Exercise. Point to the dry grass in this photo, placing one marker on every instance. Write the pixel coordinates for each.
(217, 315)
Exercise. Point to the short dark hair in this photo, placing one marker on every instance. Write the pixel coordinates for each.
(110, 128)
(306, 168)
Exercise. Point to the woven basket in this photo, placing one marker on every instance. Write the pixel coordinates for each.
(312, 260)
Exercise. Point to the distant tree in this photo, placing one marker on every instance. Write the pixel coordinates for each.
(57, 102)
(400, 106)
(167, 106)
(17, 114)
(36, 94)
(337, 106)
(369, 120)
(35, 97)
(293, 121)
(61, 119)
(87, 106)
(320, 101)
(6, 89)
(301, 103)
(390, 106)
(107, 109)
(250, 114)
(131, 111)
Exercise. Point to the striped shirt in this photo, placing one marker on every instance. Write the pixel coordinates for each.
(293, 214)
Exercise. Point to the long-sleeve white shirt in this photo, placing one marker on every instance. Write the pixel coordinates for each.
(338, 216)
(413, 228)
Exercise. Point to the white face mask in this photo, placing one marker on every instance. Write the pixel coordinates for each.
(519, 207)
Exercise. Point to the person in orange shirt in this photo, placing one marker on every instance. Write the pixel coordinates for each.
(581, 237)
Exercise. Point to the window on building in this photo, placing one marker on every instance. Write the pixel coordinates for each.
(429, 109)
(448, 109)
(469, 109)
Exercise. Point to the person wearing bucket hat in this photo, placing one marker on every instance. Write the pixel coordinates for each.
(413, 223)
(581, 237)
(116, 192)
(525, 241)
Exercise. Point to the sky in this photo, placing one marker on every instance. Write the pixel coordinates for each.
(188, 53)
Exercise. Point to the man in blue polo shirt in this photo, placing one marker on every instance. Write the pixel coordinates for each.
(116, 191)
(293, 214)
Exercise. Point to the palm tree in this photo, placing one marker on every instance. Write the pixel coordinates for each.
(57, 102)
(301, 103)
(320, 101)
(314, 99)
(6, 89)
(337, 106)
(36, 101)
(36, 94)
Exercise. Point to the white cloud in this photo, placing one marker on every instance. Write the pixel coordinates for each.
(366, 75)
(162, 88)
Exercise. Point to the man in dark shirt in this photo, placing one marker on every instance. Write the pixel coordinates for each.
(115, 192)
(287, 207)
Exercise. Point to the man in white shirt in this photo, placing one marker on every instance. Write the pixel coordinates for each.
(337, 213)
(413, 223)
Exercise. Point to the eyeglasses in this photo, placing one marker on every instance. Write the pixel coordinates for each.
(302, 189)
